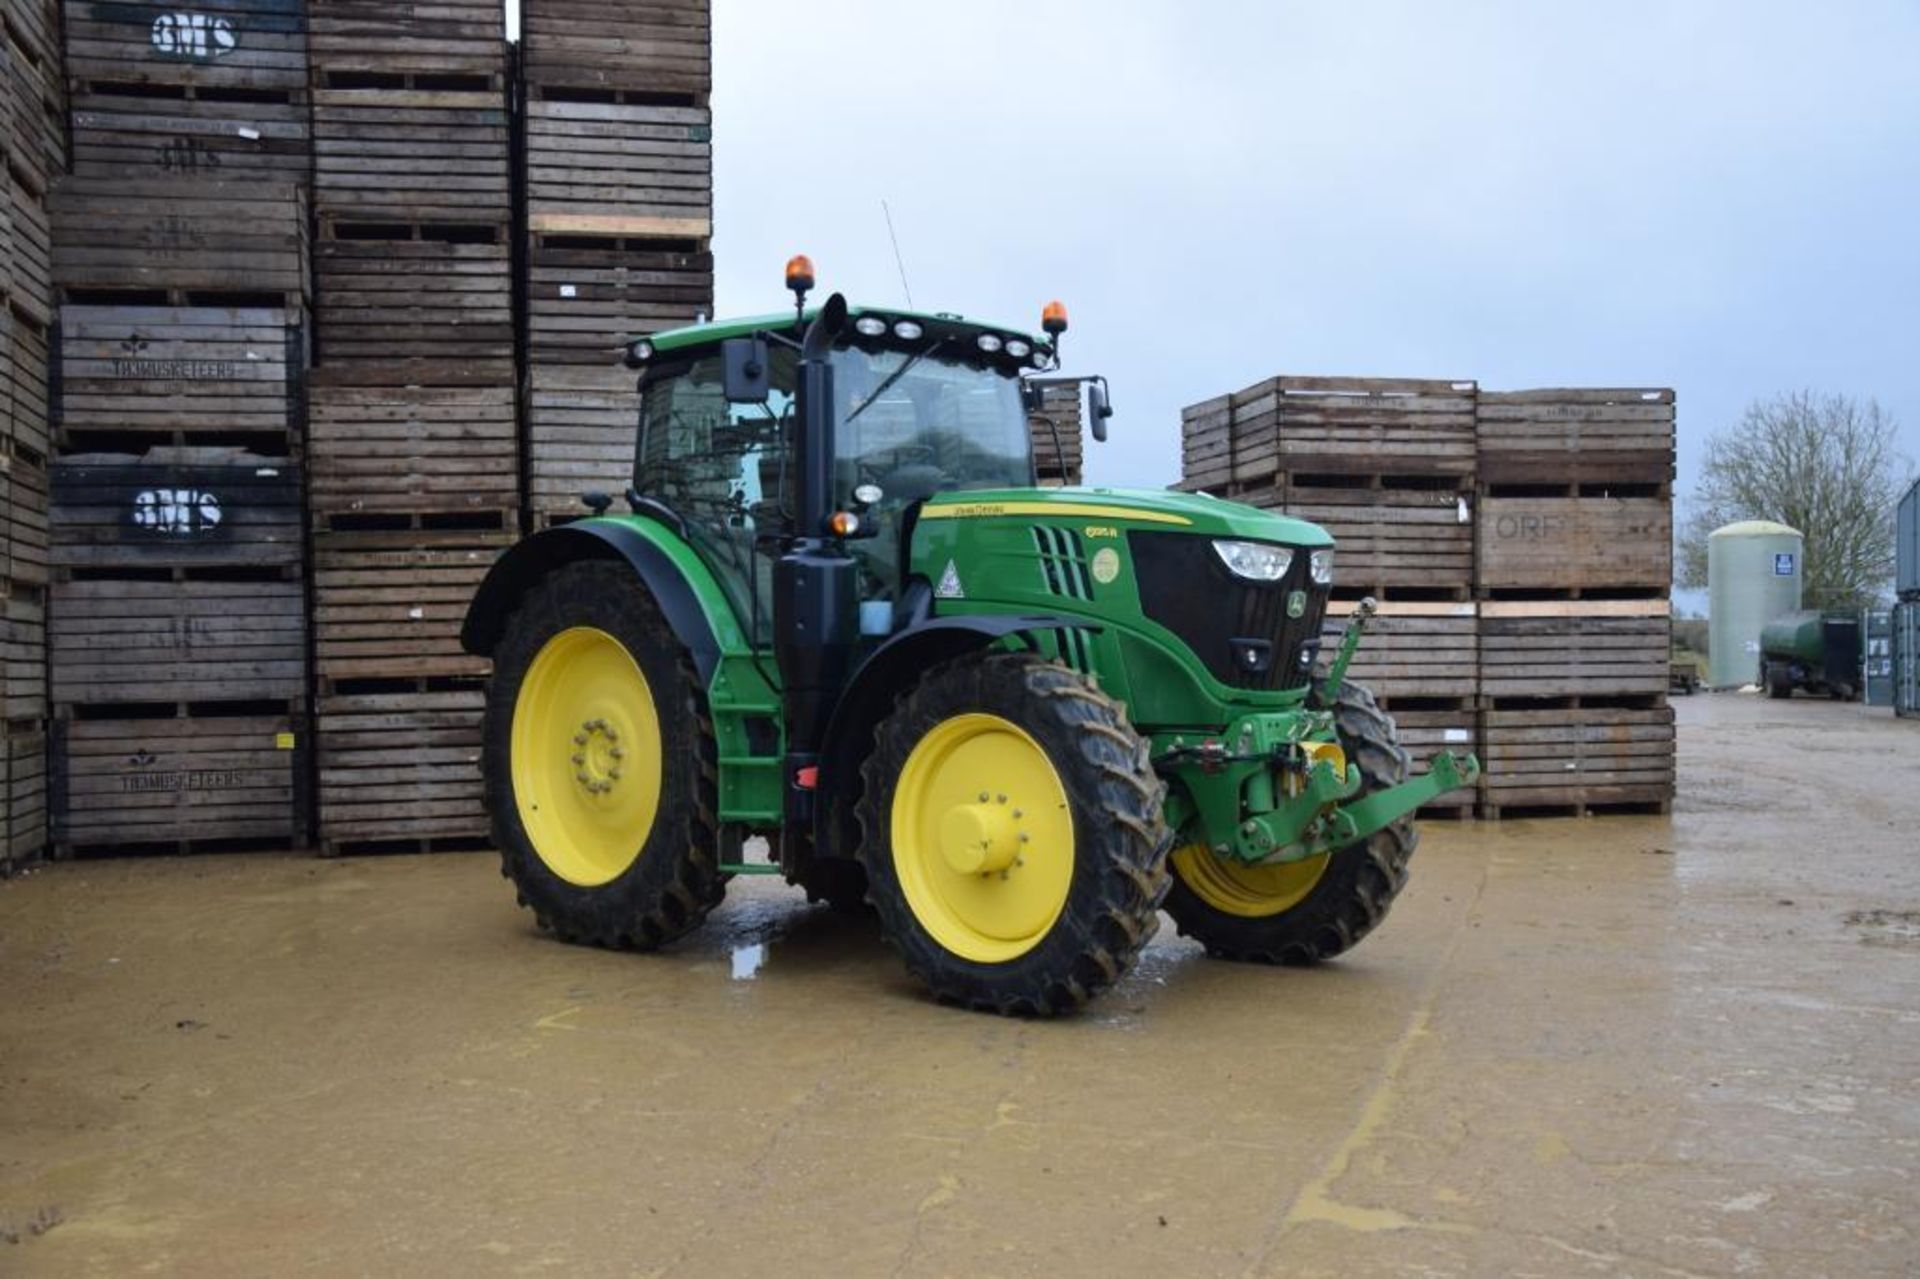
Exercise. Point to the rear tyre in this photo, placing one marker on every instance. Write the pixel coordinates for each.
(600, 764)
(1779, 683)
(1012, 835)
(1304, 912)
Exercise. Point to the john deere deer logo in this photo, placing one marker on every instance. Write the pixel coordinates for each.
(177, 512)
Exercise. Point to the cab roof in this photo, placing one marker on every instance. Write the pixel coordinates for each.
(693, 335)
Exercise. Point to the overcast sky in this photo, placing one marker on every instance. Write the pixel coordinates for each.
(1722, 198)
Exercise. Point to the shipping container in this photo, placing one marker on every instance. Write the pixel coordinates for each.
(1906, 658)
(1906, 576)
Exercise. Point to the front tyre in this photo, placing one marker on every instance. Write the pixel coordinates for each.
(1306, 911)
(1012, 835)
(600, 764)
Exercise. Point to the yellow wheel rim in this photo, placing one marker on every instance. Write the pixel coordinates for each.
(586, 756)
(982, 838)
(1251, 892)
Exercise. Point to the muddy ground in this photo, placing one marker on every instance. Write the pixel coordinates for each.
(1610, 1046)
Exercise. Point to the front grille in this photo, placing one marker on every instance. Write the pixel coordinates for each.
(1185, 588)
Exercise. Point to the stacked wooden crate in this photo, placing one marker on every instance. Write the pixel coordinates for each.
(218, 88)
(1058, 451)
(178, 637)
(1575, 572)
(1519, 545)
(415, 483)
(32, 153)
(616, 147)
(1387, 467)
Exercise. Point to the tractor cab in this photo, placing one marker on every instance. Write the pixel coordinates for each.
(920, 405)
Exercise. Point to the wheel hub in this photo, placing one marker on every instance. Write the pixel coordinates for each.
(597, 756)
(980, 838)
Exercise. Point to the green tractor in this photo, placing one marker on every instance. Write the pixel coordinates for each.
(838, 613)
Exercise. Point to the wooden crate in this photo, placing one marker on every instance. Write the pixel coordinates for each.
(177, 508)
(26, 249)
(185, 780)
(253, 46)
(177, 374)
(1415, 649)
(388, 604)
(413, 447)
(661, 48)
(181, 235)
(400, 153)
(23, 793)
(138, 131)
(24, 381)
(1396, 539)
(389, 290)
(1574, 648)
(23, 652)
(1585, 758)
(451, 37)
(581, 424)
(120, 642)
(32, 102)
(611, 168)
(1576, 436)
(23, 516)
(1056, 435)
(1331, 426)
(1427, 726)
(587, 297)
(1585, 541)
(177, 579)
(400, 765)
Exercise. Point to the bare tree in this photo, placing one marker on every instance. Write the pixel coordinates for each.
(1824, 464)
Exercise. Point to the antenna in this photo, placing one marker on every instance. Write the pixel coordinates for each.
(904, 286)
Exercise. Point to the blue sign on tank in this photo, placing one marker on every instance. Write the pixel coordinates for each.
(1783, 564)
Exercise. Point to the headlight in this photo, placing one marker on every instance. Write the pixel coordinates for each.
(1017, 349)
(988, 342)
(907, 330)
(870, 326)
(1320, 564)
(1255, 561)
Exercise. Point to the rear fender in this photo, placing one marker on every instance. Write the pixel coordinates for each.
(685, 589)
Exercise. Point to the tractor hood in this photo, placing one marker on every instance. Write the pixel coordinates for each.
(1146, 508)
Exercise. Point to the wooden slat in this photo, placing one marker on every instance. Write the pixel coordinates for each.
(586, 299)
(580, 425)
(424, 292)
(1415, 650)
(1573, 655)
(23, 792)
(661, 47)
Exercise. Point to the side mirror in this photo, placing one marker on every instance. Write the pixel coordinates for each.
(1099, 408)
(747, 374)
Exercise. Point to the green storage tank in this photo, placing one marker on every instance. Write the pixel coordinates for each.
(1817, 652)
(1753, 575)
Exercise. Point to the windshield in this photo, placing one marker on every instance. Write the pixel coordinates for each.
(919, 423)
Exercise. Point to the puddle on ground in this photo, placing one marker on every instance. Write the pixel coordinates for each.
(748, 960)
(1899, 928)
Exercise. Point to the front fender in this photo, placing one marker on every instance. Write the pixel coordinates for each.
(887, 671)
(673, 574)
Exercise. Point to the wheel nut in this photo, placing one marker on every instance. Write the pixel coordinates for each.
(579, 739)
(617, 753)
(579, 759)
(983, 797)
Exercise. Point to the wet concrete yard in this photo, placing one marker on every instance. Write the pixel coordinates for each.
(1617, 1046)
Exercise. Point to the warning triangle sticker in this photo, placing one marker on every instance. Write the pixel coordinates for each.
(950, 588)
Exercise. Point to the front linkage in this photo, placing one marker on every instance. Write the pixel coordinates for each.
(1270, 787)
